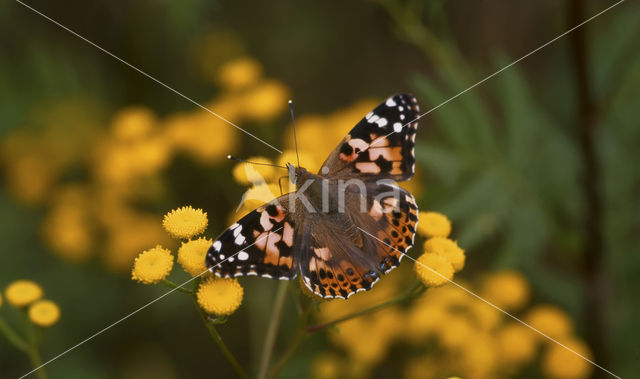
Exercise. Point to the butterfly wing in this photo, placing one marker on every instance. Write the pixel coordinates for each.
(381, 144)
(261, 243)
(339, 255)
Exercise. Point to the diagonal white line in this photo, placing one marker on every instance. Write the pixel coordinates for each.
(491, 304)
(147, 75)
(139, 309)
(500, 70)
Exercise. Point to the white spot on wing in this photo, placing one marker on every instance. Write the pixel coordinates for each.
(397, 127)
(239, 239)
(217, 245)
(243, 256)
(382, 122)
(390, 102)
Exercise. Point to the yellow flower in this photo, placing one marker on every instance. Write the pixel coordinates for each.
(561, 363)
(152, 265)
(202, 135)
(517, 343)
(191, 255)
(508, 290)
(23, 292)
(360, 340)
(239, 73)
(434, 224)
(455, 332)
(133, 123)
(448, 249)
(550, 320)
(434, 270)
(306, 160)
(423, 320)
(327, 365)
(486, 316)
(68, 228)
(220, 296)
(185, 222)
(44, 313)
(245, 173)
(265, 100)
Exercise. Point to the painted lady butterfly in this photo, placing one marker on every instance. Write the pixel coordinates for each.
(318, 230)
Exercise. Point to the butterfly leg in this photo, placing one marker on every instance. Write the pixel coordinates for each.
(280, 183)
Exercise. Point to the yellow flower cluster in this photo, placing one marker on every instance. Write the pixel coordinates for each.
(125, 160)
(215, 296)
(220, 297)
(466, 336)
(27, 293)
(442, 257)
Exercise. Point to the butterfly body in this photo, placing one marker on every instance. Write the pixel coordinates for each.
(323, 230)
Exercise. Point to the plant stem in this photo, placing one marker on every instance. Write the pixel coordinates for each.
(36, 361)
(272, 330)
(594, 275)
(13, 337)
(297, 340)
(171, 284)
(223, 347)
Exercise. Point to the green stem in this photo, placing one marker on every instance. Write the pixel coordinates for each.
(171, 284)
(29, 348)
(298, 339)
(221, 345)
(272, 331)
(416, 290)
(36, 362)
(13, 337)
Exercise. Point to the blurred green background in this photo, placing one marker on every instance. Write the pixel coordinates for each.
(537, 167)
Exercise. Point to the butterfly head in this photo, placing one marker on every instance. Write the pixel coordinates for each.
(296, 173)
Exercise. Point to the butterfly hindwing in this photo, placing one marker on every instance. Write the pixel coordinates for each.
(261, 243)
(381, 144)
(334, 263)
(341, 254)
(396, 218)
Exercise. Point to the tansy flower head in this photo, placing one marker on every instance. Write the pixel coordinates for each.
(558, 362)
(191, 255)
(437, 272)
(23, 292)
(517, 344)
(448, 249)
(550, 320)
(152, 265)
(220, 296)
(434, 224)
(44, 313)
(507, 289)
(185, 222)
(239, 73)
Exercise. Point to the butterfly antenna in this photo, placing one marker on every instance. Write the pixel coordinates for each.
(295, 138)
(255, 163)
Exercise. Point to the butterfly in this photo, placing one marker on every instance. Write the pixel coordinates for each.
(323, 230)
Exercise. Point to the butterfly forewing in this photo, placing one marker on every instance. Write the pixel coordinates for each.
(381, 145)
(261, 243)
